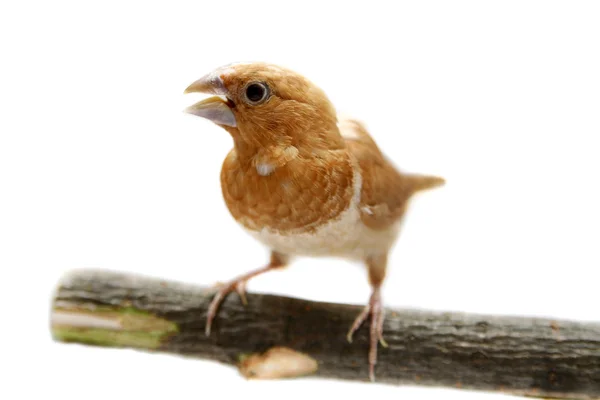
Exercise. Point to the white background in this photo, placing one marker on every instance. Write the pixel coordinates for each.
(99, 167)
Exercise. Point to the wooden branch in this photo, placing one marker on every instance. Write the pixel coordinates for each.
(516, 355)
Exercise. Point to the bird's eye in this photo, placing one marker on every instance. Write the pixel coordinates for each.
(257, 92)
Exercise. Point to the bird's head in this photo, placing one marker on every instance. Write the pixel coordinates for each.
(263, 105)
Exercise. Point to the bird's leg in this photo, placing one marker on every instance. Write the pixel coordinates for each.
(374, 309)
(239, 285)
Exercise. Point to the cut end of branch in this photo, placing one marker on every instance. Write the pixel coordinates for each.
(113, 327)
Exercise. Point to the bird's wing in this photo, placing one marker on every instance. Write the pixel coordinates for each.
(385, 191)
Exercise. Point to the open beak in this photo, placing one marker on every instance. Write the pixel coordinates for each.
(216, 108)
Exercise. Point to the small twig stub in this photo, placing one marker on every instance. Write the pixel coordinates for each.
(277, 362)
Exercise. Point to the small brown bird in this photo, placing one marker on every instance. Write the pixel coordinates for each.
(303, 181)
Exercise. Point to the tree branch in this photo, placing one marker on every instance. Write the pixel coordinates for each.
(516, 355)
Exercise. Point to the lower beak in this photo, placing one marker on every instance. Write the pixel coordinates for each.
(214, 109)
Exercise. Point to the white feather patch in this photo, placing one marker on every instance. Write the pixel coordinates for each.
(348, 127)
(265, 169)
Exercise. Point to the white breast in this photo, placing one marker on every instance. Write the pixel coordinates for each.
(345, 236)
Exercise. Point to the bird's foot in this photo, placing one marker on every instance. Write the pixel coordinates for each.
(239, 285)
(375, 310)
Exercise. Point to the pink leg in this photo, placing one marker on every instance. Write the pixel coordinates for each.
(239, 284)
(377, 266)
(375, 310)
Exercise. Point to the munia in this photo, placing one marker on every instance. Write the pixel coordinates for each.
(302, 180)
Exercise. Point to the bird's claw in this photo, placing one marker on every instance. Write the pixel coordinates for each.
(240, 288)
(383, 343)
(358, 322)
(349, 337)
(375, 310)
(223, 289)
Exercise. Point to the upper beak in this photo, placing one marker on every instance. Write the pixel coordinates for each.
(214, 108)
(211, 83)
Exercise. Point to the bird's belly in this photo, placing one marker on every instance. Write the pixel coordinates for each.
(345, 236)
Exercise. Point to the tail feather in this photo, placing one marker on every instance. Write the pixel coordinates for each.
(424, 182)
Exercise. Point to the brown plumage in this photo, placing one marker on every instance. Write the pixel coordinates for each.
(303, 181)
(299, 195)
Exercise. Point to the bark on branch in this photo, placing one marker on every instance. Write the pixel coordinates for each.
(517, 355)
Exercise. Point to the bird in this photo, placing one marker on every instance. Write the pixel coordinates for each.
(304, 180)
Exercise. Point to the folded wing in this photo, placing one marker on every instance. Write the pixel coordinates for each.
(385, 190)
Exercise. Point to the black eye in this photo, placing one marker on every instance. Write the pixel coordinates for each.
(257, 92)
